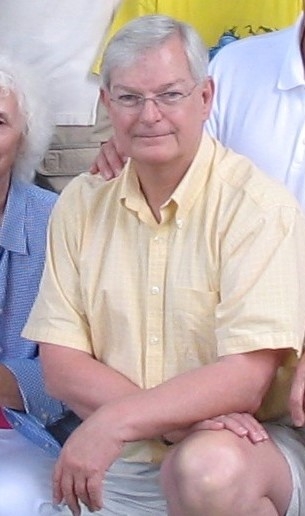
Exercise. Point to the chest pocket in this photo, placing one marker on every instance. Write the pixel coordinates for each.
(191, 318)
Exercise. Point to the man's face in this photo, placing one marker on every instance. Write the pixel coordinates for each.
(156, 133)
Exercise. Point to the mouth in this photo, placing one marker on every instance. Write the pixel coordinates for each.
(149, 136)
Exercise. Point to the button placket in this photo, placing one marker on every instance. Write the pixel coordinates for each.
(155, 308)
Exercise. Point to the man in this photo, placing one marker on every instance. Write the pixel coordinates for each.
(258, 110)
(161, 295)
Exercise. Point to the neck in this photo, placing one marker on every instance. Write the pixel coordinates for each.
(159, 183)
(4, 188)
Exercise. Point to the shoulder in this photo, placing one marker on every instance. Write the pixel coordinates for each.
(85, 188)
(82, 197)
(245, 181)
(40, 198)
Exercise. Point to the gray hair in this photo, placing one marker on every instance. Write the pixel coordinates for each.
(38, 127)
(146, 32)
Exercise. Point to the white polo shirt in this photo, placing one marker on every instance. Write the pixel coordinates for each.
(259, 105)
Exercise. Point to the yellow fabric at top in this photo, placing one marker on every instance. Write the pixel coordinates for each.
(211, 18)
(218, 276)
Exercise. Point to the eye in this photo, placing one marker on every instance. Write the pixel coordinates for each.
(129, 99)
(170, 97)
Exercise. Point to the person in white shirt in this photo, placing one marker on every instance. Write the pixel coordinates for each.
(259, 104)
(62, 39)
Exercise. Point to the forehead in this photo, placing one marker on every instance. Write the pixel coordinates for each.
(164, 64)
(9, 103)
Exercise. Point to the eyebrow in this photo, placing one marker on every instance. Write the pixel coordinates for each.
(162, 87)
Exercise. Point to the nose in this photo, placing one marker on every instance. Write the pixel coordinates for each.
(150, 112)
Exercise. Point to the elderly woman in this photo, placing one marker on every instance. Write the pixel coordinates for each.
(25, 131)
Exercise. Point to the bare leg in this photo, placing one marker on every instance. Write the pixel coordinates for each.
(220, 474)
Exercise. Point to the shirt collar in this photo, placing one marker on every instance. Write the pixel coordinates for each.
(12, 233)
(186, 192)
(292, 70)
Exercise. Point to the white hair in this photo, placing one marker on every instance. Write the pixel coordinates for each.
(30, 92)
(146, 32)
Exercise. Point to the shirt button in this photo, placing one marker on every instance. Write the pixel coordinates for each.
(155, 291)
(154, 340)
(158, 240)
(179, 223)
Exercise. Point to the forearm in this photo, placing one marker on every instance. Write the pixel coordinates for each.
(235, 385)
(87, 385)
(10, 395)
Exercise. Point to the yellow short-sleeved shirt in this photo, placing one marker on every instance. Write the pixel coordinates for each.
(212, 18)
(218, 276)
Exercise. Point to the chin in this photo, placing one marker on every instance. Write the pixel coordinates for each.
(154, 154)
(154, 158)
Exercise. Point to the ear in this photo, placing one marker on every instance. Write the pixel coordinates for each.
(105, 97)
(207, 96)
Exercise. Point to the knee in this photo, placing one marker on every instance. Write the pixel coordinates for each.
(207, 467)
(22, 493)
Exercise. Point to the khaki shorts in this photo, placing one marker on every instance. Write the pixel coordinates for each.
(291, 442)
(130, 489)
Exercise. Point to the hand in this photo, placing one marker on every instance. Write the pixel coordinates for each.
(83, 462)
(297, 394)
(109, 162)
(10, 395)
(243, 425)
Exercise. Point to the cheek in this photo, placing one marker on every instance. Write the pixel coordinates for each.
(122, 126)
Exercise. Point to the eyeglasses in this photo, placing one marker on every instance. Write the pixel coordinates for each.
(167, 99)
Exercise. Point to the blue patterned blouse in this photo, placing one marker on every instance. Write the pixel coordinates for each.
(22, 251)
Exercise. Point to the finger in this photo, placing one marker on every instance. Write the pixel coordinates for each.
(254, 430)
(296, 399)
(80, 489)
(230, 423)
(101, 166)
(70, 497)
(114, 160)
(208, 424)
(63, 489)
(57, 491)
(94, 489)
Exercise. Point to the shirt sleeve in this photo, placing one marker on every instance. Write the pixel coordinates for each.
(58, 314)
(37, 402)
(260, 283)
